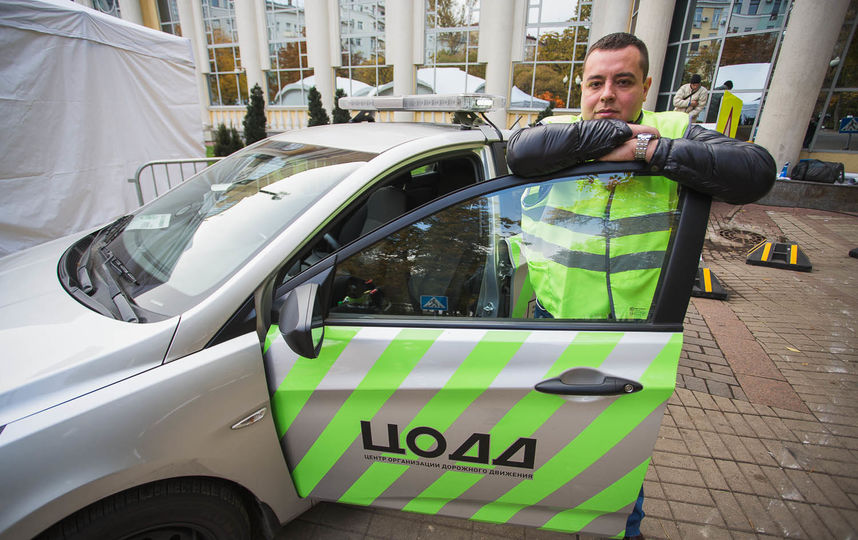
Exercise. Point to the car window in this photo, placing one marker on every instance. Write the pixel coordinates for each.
(399, 193)
(581, 248)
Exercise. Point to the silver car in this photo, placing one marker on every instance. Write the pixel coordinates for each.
(338, 313)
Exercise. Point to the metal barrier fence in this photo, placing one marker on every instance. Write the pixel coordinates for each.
(174, 171)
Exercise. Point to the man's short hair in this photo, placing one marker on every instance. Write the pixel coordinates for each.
(621, 40)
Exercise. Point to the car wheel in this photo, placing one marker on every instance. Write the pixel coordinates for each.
(180, 509)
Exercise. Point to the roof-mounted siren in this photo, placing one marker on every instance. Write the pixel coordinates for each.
(453, 103)
(464, 107)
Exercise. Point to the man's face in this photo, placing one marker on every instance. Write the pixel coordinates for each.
(614, 85)
(694, 86)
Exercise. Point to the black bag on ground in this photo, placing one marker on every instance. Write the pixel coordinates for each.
(814, 170)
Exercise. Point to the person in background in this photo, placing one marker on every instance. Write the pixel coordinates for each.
(613, 126)
(691, 98)
(715, 101)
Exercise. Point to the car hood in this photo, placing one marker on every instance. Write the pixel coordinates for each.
(55, 349)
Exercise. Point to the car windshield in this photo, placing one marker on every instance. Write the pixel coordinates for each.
(185, 243)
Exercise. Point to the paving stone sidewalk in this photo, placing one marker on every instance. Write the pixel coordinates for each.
(760, 439)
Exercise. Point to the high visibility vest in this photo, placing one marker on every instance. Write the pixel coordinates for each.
(594, 248)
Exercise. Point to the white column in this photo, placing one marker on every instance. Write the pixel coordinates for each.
(609, 16)
(130, 11)
(652, 27)
(262, 39)
(191, 22)
(809, 40)
(248, 40)
(499, 24)
(399, 49)
(318, 16)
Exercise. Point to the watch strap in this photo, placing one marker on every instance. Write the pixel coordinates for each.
(641, 146)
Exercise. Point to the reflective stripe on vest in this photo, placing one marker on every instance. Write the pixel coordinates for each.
(522, 295)
(595, 246)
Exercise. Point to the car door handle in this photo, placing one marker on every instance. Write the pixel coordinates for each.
(609, 386)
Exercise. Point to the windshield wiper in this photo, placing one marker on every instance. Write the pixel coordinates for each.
(119, 299)
(117, 264)
(104, 236)
(112, 231)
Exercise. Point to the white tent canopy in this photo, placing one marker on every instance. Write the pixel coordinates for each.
(444, 80)
(85, 99)
(295, 94)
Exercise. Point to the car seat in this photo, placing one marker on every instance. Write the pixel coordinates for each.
(383, 205)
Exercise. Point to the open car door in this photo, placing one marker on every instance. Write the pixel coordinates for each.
(503, 354)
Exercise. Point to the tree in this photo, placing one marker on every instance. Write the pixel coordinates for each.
(318, 115)
(236, 139)
(554, 81)
(227, 85)
(254, 120)
(546, 112)
(703, 64)
(340, 116)
(227, 141)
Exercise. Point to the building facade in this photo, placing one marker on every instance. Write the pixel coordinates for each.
(793, 63)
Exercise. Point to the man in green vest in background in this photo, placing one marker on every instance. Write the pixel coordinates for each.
(612, 275)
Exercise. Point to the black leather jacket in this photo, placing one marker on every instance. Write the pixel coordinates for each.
(704, 160)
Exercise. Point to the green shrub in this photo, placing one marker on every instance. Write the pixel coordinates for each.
(545, 113)
(226, 141)
(341, 116)
(254, 120)
(318, 115)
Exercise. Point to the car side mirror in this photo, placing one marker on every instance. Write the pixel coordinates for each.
(301, 322)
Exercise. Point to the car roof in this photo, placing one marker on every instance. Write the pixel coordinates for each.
(374, 137)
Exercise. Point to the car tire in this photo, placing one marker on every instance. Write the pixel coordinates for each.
(178, 509)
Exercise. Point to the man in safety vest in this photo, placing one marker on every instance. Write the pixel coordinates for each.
(619, 230)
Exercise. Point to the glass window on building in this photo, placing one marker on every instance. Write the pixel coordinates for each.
(705, 40)
(451, 42)
(837, 107)
(111, 7)
(364, 71)
(556, 37)
(290, 77)
(169, 17)
(753, 15)
(227, 82)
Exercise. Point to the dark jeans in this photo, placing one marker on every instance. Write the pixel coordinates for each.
(633, 524)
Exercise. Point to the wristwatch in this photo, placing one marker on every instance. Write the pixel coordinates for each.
(641, 146)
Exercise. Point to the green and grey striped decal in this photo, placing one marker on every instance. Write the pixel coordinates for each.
(590, 453)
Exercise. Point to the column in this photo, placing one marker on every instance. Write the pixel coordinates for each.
(129, 10)
(248, 41)
(609, 16)
(806, 50)
(399, 30)
(500, 22)
(653, 28)
(149, 14)
(321, 17)
(191, 21)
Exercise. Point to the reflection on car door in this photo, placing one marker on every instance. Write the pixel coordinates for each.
(433, 394)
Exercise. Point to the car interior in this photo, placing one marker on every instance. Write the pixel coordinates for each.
(400, 193)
